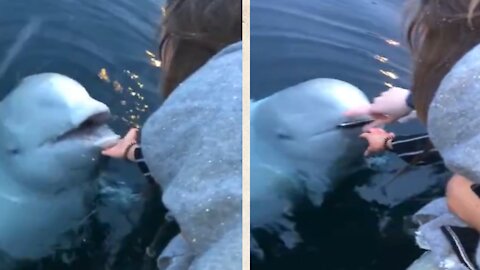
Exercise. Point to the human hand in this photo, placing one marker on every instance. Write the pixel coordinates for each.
(389, 107)
(376, 138)
(118, 150)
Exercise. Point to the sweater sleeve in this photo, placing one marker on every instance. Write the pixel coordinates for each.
(140, 161)
(409, 101)
(415, 148)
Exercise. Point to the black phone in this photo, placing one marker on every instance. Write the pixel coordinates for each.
(354, 124)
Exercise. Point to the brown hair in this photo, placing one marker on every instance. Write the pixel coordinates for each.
(193, 32)
(439, 34)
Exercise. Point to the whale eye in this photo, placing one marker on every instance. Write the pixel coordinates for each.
(283, 136)
(13, 151)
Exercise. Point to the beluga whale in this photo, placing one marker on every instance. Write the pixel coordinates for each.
(298, 151)
(51, 135)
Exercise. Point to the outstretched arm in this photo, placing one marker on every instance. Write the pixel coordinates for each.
(414, 149)
(138, 158)
(128, 148)
(392, 105)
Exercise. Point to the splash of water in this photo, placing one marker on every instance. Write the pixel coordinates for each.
(23, 37)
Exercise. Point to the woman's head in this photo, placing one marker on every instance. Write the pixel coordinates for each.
(440, 32)
(193, 31)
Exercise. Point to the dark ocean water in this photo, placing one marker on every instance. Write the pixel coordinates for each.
(364, 223)
(80, 38)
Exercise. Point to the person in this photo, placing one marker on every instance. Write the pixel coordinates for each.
(395, 104)
(128, 148)
(444, 38)
(178, 62)
(192, 144)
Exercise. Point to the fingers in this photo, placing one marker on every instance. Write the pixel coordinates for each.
(374, 110)
(377, 131)
(380, 116)
(367, 152)
(132, 135)
(375, 138)
(116, 150)
(367, 136)
(107, 152)
(132, 132)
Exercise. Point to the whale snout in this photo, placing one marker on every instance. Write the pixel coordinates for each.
(85, 120)
(91, 128)
(91, 109)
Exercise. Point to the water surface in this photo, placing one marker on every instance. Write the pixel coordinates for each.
(109, 47)
(363, 224)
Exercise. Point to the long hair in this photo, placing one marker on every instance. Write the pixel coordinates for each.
(192, 32)
(439, 33)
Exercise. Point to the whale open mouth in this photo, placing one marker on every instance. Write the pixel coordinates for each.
(87, 127)
(93, 129)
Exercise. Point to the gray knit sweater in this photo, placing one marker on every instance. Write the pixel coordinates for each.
(454, 127)
(193, 147)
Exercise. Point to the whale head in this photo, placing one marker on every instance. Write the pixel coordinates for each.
(298, 125)
(297, 151)
(51, 133)
(51, 136)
